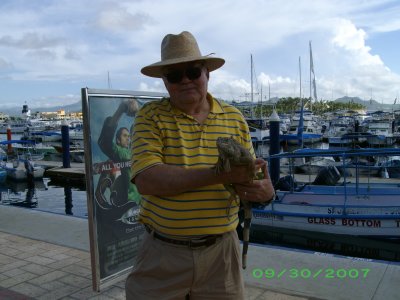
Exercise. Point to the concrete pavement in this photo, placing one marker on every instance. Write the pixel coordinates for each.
(46, 256)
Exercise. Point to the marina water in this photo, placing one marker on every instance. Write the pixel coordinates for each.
(61, 198)
(44, 195)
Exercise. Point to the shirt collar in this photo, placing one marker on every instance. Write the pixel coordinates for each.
(215, 106)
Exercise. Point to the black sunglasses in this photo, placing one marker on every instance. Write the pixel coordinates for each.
(176, 76)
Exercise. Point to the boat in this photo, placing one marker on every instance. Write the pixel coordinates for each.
(3, 154)
(72, 147)
(390, 168)
(310, 132)
(383, 133)
(19, 169)
(43, 136)
(25, 149)
(338, 131)
(314, 165)
(304, 127)
(3, 174)
(19, 163)
(258, 127)
(76, 134)
(382, 127)
(259, 130)
(77, 155)
(21, 127)
(333, 203)
(25, 124)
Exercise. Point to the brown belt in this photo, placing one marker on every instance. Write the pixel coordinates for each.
(205, 241)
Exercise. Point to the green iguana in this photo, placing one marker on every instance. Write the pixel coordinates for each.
(232, 153)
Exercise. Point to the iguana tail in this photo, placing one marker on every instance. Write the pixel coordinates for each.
(246, 231)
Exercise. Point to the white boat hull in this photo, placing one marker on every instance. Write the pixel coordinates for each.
(346, 226)
(18, 171)
(358, 214)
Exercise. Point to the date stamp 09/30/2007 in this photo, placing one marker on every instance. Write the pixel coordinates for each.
(296, 273)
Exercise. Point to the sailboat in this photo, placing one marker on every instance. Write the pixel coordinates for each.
(304, 128)
(258, 127)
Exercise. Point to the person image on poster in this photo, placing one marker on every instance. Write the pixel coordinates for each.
(116, 197)
(118, 152)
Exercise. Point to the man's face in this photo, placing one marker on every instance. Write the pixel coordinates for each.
(186, 83)
(123, 139)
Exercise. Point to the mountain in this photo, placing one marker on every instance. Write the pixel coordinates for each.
(370, 105)
(271, 101)
(17, 111)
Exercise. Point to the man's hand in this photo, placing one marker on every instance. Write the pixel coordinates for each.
(240, 173)
(257, 190)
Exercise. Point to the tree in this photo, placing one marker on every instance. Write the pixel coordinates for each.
(290, 105)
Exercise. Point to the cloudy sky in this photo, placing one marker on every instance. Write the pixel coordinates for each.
(50, 49)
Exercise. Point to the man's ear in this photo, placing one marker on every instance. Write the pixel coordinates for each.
(208, 75)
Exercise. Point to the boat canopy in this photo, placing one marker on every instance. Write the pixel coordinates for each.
(17, 142)
(307, 152)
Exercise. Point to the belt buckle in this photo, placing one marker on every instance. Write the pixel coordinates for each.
(208, 241)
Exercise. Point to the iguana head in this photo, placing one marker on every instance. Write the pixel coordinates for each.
(228, 147)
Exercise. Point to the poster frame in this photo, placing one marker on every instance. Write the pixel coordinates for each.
(97, 282)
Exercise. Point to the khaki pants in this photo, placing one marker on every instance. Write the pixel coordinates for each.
(167, 271)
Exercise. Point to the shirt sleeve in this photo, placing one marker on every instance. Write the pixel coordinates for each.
(146, 142)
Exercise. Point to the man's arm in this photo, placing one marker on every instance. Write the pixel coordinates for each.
(167, 180)
(110, 125)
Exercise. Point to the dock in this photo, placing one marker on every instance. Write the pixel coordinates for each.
(55, 171)
(46, 256)
(76, 172)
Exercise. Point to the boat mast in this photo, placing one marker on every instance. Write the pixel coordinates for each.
(301, 121)
(108, 80)
(251, 85)
(300, 79)
(310, 73)
(269, 91)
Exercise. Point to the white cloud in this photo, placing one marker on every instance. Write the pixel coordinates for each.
(56, 100)
(66, 42)
(30, 40)
(42, 54)
(116, 18)
(5, 65)
(71, 54)
(348, 37)
(361, 74)
(155, 86)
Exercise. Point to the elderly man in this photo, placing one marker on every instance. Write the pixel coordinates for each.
(191, 248)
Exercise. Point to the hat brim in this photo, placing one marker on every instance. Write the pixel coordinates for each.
(156, 69)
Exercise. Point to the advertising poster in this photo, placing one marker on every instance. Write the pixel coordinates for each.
(113, 201)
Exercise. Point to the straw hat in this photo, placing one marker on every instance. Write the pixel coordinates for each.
(177, 49)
